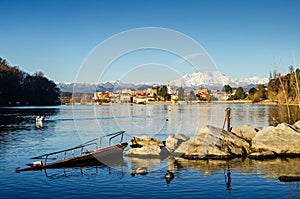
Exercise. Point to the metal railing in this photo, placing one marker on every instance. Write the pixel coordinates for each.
(81, 146)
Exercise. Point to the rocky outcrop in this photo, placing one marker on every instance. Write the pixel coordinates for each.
(146, 151)
(214, 143)
(140, 141)
(147, 147)
(282, 140)
(174, 140)
(246, 132)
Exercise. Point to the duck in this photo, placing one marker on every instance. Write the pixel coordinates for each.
(169, 175)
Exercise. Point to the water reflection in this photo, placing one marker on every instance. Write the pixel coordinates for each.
(18, 119)
(18, 128)
(85, 171)
(270, 169)
(227, 175)
(279, 114)
(65, 126)
(150, 163)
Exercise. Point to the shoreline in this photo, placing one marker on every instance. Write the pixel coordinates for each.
(246, 102)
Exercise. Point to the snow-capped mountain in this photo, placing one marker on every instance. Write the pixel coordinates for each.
(209, 79)
(105, 86)
(215, 79)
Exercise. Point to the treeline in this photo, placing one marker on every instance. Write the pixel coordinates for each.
(282, 89)
(20, 88)
(255, 94)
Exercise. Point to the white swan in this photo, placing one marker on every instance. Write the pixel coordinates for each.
(39, 118)
(39, 121)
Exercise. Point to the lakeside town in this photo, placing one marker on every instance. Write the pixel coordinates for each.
(19, 88)
(280, 90)
(165, 93)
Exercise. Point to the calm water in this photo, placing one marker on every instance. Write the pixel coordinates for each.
(67, 126)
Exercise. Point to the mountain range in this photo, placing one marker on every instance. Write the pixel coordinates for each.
(209, 79)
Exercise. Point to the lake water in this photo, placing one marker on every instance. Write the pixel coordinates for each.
(68, 126)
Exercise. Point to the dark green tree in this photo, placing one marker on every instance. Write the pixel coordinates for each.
(260, 93)
(192, 96)
(227, 88)
(40, 91)
(240, 93)
(181, 94)
(163, 92)
(251, 93)
(18, 87)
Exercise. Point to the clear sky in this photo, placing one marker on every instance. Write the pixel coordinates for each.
(243, 38)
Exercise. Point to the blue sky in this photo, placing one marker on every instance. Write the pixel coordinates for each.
(243, 38)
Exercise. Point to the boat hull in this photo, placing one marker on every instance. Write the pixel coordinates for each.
(105, 156)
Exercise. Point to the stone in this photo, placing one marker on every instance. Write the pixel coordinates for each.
(246, 132)
(174, 140)
(283, 140)
(297, 125)
(140, 141)
(214, 143)
(145, 151)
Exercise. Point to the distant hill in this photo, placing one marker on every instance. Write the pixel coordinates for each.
(209, 79)
(20, 88)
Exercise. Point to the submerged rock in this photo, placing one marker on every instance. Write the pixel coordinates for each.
(282, 140)
(174, 140)
(214, 143)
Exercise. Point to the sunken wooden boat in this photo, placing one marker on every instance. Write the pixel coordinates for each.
(106, 155)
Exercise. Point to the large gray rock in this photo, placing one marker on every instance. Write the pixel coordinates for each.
(246, 132)
(174, 140)
(281, 140)
(140, 141)
(214, 143)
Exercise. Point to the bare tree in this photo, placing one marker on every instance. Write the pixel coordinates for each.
(285, 96)
(297, 84)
